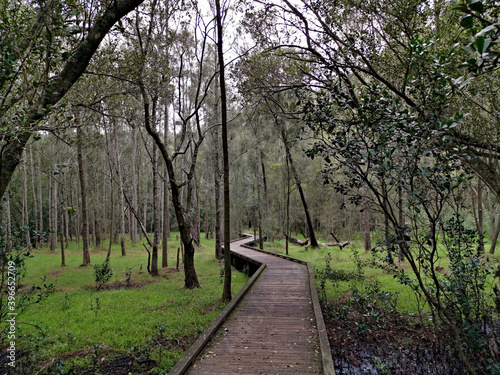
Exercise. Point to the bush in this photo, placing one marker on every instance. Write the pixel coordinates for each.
(103, 273)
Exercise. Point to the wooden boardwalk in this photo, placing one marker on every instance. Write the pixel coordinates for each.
(271, 330)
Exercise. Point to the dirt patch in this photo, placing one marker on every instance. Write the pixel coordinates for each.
(54, 273)
(121, 285)
(373, 341)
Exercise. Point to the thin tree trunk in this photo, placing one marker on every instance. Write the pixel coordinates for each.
(83, 192)
(133, 221)
(166, 203)
(40, 199)
(312, 236)
(494, 238)
(226, 294)
(33, 190)
(156, 218)
(8, 220)
(365, 217)
(63, 225)
(259, 208)
(480, 219)
(218, 234)
(97, 217)
(26, 221)
(53, 214)
(121, 199)
(112, 211)
(401, 216)
(287, 228)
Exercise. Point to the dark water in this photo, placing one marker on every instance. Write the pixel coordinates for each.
(362, 360)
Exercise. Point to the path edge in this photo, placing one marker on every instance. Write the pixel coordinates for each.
(192, 353)
(326, 354)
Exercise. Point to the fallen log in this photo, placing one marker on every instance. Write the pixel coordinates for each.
(297, 241)
(339, 244)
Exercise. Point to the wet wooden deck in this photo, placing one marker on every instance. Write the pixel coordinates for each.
(273, 329)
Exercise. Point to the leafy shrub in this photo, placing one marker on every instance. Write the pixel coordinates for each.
(102, 273)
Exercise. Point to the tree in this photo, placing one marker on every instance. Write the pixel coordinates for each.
(83, 192)
(28, 28)
(226, 294)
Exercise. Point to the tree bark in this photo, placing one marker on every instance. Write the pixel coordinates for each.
(480, 218)
(166, 201)
(40, 199)
(83, 192)
(226, 294)
(133, 221)
(218, 233)
(53, 213)
(8, 220)
(156, 217)
(121, 199)
(34, 193)
(26, 221)
(63, 225)
(494, 237)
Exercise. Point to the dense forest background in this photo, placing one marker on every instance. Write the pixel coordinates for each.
(347, 120)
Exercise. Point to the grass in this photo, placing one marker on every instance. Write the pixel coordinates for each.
(345, 260)
(156, 318)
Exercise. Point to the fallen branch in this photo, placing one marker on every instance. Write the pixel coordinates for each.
(297, 241)
(339, 244)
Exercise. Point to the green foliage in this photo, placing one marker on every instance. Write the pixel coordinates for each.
(480, 21)
(103, 273)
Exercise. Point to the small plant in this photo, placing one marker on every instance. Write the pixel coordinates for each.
(96, 353)
(128, 276)
(102, 273)
(382, 368)
(67, 301)
(95, 305)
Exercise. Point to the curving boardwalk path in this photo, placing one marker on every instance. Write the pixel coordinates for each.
(271, 330)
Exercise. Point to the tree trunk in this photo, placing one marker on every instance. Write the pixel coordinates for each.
(40, 199)
(480, 219)
(207, 225)
(10, 154)
(8, 222)
(312, 236)
(53, 214)
(494, 237)
(401, 217)
(26, 221)
(156, 217)
(121, 199)
(133, 221)
(34, 193)
(226, 294)
(166, 202)
(83, 192)
(63, 225)
(365, 217)
(218, 234)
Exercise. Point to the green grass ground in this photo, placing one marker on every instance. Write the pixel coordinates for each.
(155, 318)
(345, 260)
